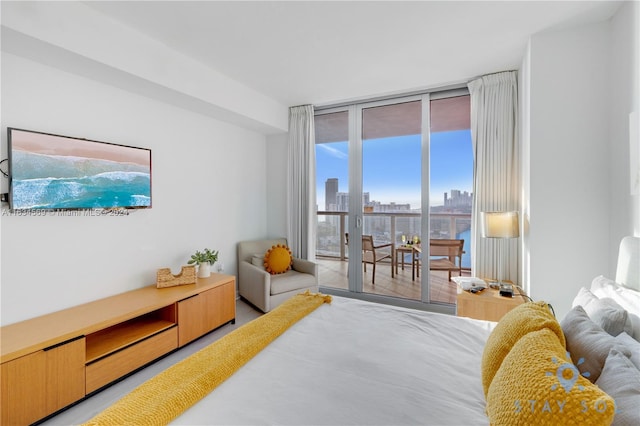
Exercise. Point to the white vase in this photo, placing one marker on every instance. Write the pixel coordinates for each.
(204, 270)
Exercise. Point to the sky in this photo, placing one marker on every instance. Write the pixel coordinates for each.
(391, 171)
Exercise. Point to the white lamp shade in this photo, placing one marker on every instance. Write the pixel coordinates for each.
(499, 224)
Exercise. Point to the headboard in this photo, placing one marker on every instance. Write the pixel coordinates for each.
(628, 270)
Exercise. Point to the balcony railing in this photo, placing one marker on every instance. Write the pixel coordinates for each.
(389, 227)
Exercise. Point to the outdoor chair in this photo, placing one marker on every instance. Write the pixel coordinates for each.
(446, 255)
(372, 254)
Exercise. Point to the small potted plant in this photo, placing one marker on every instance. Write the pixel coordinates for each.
(205, 260)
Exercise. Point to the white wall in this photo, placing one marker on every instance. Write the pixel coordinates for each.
(625, 98)
(524, 95)
(578, 204)
(277, 160)
(209, 190)
(569, 181)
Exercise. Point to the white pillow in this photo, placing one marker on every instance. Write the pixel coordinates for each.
(621, 380)
(633, 345)
(257, 260)
(584, 298)
(627, 298)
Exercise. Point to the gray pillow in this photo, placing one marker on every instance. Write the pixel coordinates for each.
(587, 343)
(621, 380)
(609, 315)
(633, 345)
(257, 260)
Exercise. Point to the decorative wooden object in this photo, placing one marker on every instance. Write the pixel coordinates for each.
(166, 279)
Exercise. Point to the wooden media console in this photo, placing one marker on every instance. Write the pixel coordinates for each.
(54, 360)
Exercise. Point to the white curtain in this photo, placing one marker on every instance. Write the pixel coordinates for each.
(496, 182)
(301, 176)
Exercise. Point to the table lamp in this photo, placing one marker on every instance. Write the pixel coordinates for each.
(500, 225)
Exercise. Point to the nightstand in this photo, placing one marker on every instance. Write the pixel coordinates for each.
(487, 304)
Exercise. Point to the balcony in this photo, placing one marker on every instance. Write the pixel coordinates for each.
(388, 227)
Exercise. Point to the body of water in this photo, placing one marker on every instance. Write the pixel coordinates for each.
(466, 257)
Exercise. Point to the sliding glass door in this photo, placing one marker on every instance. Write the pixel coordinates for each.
(450, 184)
(374, 170)
(369, 183)
(391, 146)
(332, 190)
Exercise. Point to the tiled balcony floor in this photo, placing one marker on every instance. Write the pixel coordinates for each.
(333, 273)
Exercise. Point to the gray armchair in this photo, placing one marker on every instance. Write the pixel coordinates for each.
(266, 291)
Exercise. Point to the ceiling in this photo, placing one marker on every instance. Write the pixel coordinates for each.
(303, 52)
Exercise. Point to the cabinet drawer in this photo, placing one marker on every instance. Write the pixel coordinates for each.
(120, 363)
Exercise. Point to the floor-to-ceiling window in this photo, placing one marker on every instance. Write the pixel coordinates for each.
(380, 166)
(451, 170)
(392, 145)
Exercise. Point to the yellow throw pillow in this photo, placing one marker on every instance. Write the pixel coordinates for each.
(516, 323)
(538, 385)
(278, 259)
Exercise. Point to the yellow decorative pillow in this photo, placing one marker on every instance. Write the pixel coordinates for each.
(278, 259)
(538, 385)
(516, 323)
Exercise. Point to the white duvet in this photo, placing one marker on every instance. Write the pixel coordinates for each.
(354, 362)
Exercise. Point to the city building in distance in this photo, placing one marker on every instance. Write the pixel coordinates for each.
(459, 201)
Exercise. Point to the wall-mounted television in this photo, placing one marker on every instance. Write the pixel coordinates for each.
(49, 171)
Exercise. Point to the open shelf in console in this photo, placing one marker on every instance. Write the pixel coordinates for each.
(119, 336)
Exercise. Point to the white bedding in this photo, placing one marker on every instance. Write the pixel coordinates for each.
(354, 362)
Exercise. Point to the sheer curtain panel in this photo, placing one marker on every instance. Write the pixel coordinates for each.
(301, 173)
(494, 105)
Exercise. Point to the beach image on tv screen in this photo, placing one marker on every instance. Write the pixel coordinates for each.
(56, 172)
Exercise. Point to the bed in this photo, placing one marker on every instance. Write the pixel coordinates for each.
(353, 362)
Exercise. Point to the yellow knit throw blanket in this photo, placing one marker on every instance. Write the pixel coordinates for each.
(167, 395)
